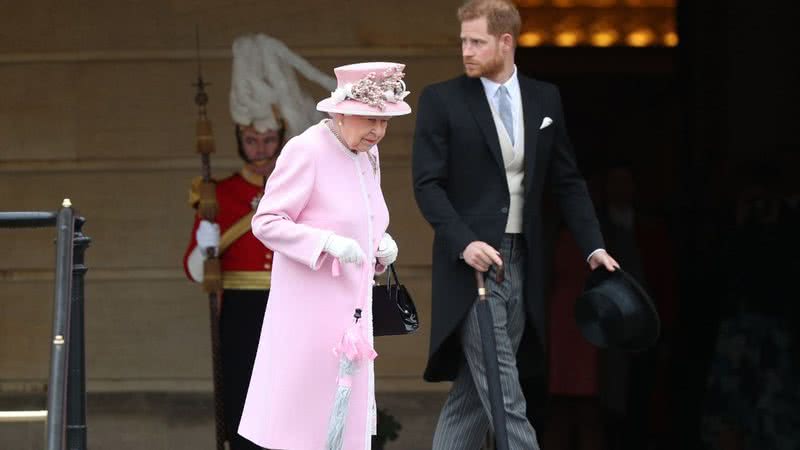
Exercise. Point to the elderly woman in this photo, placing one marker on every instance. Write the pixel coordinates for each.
(324, 215)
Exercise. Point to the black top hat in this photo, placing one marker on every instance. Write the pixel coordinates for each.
(615, 311)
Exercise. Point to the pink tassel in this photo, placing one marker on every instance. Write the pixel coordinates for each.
(354, 346)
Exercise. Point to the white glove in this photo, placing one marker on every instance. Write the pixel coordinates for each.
(387, 250)
(344, 249)
(207, 235)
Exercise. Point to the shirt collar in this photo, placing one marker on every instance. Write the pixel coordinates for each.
(512, 84)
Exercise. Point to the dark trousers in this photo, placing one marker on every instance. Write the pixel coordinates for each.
(466, 415)
(240, 330)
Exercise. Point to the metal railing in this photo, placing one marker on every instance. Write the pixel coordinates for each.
(65, 417)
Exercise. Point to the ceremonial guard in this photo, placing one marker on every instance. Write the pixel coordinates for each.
(267, 108)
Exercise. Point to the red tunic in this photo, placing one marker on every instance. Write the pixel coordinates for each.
(236, 198)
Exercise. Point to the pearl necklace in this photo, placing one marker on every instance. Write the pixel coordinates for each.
(373, 161)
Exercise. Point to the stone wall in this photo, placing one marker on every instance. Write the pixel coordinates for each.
(96, 105)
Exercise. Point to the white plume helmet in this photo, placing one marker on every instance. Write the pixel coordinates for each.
(263, 80)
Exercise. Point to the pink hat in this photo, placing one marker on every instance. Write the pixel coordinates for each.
(368, 89)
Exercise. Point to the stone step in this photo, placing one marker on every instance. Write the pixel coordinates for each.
(183, 421)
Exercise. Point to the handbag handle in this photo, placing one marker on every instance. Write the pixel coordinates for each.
(391, 273)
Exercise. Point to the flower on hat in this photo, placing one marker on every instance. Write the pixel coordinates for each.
(373, 90)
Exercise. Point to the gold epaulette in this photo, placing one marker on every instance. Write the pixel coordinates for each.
(246, 280)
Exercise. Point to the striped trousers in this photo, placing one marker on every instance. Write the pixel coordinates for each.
(466, 415)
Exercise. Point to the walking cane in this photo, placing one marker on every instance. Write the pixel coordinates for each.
(486, 326)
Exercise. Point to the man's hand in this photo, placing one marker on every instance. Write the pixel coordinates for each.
(480, 256)
(602, 258)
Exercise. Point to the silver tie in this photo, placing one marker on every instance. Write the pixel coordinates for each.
(504, 106)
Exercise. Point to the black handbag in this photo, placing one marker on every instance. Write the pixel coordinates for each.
(393, 310)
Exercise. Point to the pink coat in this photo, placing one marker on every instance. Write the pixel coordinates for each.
(318, 187)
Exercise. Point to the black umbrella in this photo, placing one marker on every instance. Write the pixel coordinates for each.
(486, 325)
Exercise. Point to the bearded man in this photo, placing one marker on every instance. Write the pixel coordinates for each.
(487, 145)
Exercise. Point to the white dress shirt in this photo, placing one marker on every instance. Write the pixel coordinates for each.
(512, 85)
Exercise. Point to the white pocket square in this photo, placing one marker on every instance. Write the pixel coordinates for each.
(546, 123)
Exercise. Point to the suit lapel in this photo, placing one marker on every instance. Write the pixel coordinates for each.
(476, 99)
(532, 114)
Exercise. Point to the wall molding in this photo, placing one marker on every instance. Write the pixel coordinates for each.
(387, 384)
(388, 161)
(114, 165)
(99, 274)
(190, 55)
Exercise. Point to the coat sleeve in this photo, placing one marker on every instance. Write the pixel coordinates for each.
(569, 188)
(379, 268)
(430, 171)
(287, 193)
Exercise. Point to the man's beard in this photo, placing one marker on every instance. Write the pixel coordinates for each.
(488, 70)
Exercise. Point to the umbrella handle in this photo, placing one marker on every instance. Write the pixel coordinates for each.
(481, 285)
(481, 282)
(500, 273)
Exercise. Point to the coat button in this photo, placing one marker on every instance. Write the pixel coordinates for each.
(268, 266)
(504, 210)
(268, 256)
